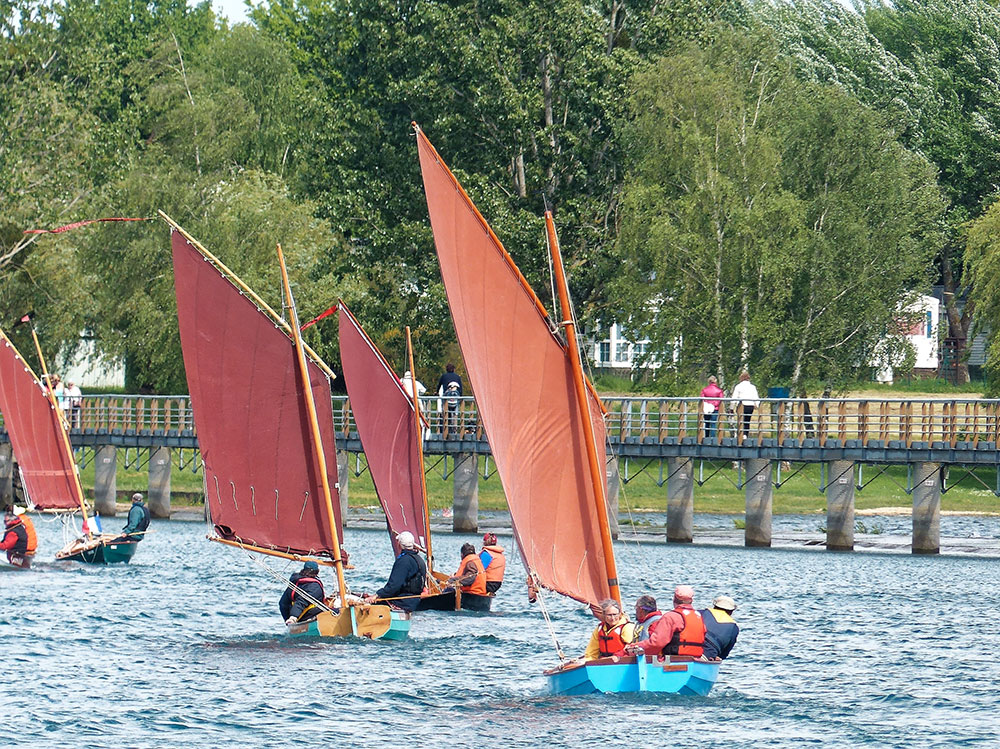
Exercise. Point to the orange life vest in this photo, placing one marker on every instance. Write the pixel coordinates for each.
(691, 639)
(32, 536)
(494, 573)
(611, 640)
(478, 586)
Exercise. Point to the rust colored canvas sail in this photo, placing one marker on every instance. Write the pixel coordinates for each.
(522, 378)
(36, 434)
(387, 426)
(261, 475)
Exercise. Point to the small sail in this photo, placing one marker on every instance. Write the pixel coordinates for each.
(36, 434)
(262, 481)
(387, 426)
(523, 381)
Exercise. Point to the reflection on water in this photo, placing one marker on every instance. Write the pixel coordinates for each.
(186, 645)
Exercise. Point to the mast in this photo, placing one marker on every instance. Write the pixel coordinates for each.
(418, 422)
(596, 472)
(64, 428)
(314, 424)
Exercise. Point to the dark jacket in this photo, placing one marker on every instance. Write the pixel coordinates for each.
(409, 572)
(15, 540)
(293, 603)
(138, 521)
(720, 633)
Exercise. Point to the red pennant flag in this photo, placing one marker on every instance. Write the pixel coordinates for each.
(78, 224)
(320, 317)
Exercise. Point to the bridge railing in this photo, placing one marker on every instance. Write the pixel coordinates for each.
(636, 420)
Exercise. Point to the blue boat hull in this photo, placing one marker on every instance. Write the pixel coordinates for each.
(678, 675)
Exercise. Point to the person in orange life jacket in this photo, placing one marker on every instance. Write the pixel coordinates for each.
(470, 575)
(15, 540)
(407, 578)
(677, 632)
(296, 603)
(493, 561)
(721, 630)
(29, 526)
(646, 616)
(613, 633)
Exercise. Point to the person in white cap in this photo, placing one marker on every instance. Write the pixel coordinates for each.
(721, 630)
(407, 578)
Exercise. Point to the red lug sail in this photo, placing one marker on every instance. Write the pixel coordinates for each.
(387, 426)
(262, 479)
(523, 381)
(36, 434)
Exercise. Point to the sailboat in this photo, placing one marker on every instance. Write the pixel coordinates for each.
(264, 415)
(387, 420)
(545, 425)
(39, 436)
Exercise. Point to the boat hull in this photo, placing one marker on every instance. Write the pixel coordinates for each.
(105, 551)
(376, 622)
(447, 602)
(679, 675)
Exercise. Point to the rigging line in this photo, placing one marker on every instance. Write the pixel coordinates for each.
(539, 597)
(287, 583)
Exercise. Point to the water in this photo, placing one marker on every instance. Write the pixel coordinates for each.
(186, 646)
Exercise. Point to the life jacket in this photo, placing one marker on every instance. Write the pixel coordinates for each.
(21, 545)
(643, 628)
(612, 640)
(414, 584)
(143, 524)
(497, 564)
(29, 528)
(478, 586)
(691, 639)
(321, 597)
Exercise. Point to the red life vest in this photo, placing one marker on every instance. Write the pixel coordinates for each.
(29, 527)
(494, 573)
(478, 586)
(612, 640)
(301, 580)
(691, 639)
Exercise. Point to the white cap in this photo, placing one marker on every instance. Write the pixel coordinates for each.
(406, 540)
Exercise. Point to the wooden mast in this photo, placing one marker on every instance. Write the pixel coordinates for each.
(418, 422)
(596, 470)
(317, 438)
(64, 429)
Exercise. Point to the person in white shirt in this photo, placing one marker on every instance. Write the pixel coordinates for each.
(745, 394)
(407, 382)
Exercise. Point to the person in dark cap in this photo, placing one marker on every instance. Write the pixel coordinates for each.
(407, 578)
(494, 562)
(138, 520)
(721, 630)
(15, 540)
(646, 617)
(302, 595)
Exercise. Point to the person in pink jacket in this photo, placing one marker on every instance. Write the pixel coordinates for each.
(711, 403)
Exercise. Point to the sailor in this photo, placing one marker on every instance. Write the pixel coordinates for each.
(138, 520)
(613, 633)
(15, 540)
(302, 595)
(470, 575)
(677, 632)
(29, 528)
(406, 580)
(721, 630)
(493, 561)
(646, 616)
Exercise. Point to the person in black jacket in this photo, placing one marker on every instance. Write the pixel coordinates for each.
(406, 580)
(305, 589)
(15, 540)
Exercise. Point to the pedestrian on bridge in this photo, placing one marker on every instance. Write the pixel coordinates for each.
(712, 395)
(745, 395)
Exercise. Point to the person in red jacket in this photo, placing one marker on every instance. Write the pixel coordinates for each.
(15, 541)
(678, 632)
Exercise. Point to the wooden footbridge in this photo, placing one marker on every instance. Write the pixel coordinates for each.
(927, 436)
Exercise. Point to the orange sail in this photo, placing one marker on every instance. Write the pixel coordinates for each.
(262, 480)
(37, 435)
(523, 381)
(387, 426)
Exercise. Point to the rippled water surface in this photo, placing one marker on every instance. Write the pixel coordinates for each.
(185, 646)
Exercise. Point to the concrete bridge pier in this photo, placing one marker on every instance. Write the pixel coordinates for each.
(680, 500)
(105, 480)
(927, 508)
(614, 489)
(159, 482)
(465, 494)
(840, 505)
(343, 479)
(759, 494)
(6, 475)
